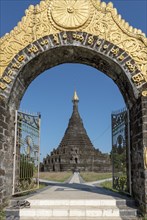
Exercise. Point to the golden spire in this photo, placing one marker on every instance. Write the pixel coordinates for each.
(75, 97)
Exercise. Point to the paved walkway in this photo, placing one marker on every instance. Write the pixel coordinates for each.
(97, 182)
(75, 178)
(73, 201)
(74, 190)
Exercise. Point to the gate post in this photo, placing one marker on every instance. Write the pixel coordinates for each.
(144, 131)
(6, 151)
(138, 124)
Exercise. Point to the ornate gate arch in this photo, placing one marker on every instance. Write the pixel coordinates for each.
(85, 31)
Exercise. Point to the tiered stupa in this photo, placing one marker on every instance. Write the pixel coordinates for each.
(76, 152)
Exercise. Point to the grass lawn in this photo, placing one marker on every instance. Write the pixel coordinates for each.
(107, 185)
(55, 176)
(93, 176)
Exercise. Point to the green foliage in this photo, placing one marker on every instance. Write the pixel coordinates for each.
(120, 183)
(26, 170)
(118, 155)
(107, 185)
(119, 168)
(54, 176)
(94, 176)
(26, 175)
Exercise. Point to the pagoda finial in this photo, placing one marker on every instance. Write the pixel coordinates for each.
(75, 97)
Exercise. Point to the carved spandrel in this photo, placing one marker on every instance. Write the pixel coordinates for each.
(102, 21)
(70, 37)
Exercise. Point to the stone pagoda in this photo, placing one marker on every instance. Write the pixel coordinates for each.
(76, 152)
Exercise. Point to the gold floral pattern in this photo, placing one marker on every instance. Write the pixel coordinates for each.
(91, 16)
(69, 13)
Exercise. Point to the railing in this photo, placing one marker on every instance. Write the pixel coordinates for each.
(121, 151)
(26, 156)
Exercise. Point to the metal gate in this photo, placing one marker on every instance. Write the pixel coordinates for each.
(26, 152)
(121, 162)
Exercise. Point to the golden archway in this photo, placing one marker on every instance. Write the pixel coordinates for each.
(91, 16)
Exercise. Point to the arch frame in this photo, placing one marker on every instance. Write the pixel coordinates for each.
(96, 18)
(103, 41)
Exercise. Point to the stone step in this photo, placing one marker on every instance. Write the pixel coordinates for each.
(127, 202)
(71, 211)
(75, 211)
(76, 202)
(75, 218)
(81, 218)
(81, 202)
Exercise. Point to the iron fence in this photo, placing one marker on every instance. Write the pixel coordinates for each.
(121, 151)
(26, 152)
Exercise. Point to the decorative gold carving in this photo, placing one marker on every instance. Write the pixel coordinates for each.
(98, 43)
(115, 51)
(7, 79)
(108, 25)
(16, 66)
(130, 66)
(44, 42)
(3, 86)
(10, 72)
(56, 38)
(33, 49)
(144, 93)
(121, 57)
(90, 40)
(64, 36)
(105, 46)
(145, 157)
(69, 14)
(78, 37)
(21, 58)
(138, 78)
(95, 17)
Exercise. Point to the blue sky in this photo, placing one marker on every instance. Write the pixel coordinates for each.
(52, 91)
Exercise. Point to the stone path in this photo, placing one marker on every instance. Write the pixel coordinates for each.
(97, 182)
(75, 178)
(76, 201)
